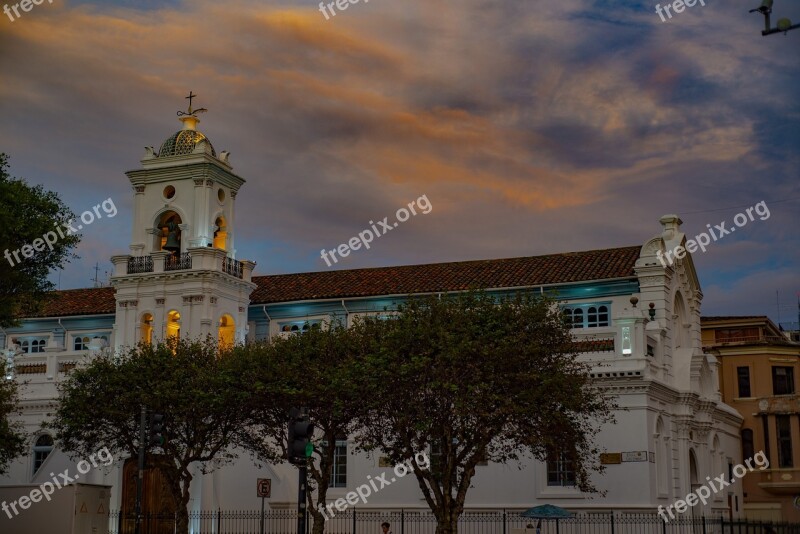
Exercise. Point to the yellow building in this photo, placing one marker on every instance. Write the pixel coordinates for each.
(758, 377)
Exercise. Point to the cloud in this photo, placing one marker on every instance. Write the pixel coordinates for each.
(532, 127)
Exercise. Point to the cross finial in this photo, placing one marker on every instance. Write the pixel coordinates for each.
(190, 97)
(191, 112)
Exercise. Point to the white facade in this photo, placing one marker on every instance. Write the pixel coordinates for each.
(667, 388)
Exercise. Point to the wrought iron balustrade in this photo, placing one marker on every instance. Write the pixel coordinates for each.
(233, 267)
(178, 262)
(140, 264)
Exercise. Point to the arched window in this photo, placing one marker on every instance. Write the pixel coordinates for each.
(168, 236)
(146, 329)
(577, 318)
(221, 233)
(41, 450)
(227, 330)
(81, 342)
(748, 448)
(173, 325)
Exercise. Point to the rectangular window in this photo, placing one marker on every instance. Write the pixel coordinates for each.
(743, 376)
(784, 435)
(782, 380)
(765, 425)
(30, 345)
(560, 469)
(587, 315)
(748, 447)
(339, 467)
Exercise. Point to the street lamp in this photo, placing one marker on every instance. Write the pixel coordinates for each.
(784, 24)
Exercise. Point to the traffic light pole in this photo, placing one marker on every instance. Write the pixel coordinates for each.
(140, 471)
(301, 500)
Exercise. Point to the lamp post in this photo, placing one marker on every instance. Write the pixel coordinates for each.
(784, 24)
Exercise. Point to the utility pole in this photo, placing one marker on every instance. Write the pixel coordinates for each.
(140, 473)
(299, 449)
(301, 500)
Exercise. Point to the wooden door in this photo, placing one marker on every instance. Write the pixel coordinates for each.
(158, 506)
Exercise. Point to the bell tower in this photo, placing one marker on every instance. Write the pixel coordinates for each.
(182, 277)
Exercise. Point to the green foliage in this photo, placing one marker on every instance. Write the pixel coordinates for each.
(311, 370)
(468, 378)
(12, 437)
(195, 385)
(27, 213)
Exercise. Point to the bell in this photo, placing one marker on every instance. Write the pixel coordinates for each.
(172, 243)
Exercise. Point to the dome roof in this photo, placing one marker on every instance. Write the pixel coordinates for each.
(183, 142)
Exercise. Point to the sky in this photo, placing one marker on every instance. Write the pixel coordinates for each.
(531, 127)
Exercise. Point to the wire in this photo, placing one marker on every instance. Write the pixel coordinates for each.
(736, 207)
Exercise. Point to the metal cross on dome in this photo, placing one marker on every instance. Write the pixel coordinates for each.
(190, 112)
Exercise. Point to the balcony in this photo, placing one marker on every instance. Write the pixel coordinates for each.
(724, 341)
(196, 258)
(178, 262)
(779, 481)
(140, 264)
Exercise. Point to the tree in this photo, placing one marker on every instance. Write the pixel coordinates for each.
(195, 385)
(12, 438)
(469, 378)
(311, 369)
(29, 216)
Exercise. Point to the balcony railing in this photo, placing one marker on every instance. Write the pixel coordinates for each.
(178, 262)
(140, 264)
(751, 339)
(594, 345)
(233, 267)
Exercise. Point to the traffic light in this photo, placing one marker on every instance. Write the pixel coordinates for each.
(156, 429)
(299, 446)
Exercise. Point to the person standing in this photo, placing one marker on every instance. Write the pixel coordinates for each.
(385, 528)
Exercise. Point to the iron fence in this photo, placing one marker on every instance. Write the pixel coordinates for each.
(423, 522)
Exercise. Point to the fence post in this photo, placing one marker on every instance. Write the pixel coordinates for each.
(354, 521)
(664, 527)
(504, 521)
(402, 521)
(704, 524)
(612, 522)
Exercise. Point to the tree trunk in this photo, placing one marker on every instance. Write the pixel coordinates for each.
(182, 513)
(319, 522)
(447, 522)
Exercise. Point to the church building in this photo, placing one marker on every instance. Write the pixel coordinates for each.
(636, 320)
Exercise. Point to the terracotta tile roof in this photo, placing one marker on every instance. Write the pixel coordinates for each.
(90, 301)
(402, 280)
(456, 276)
